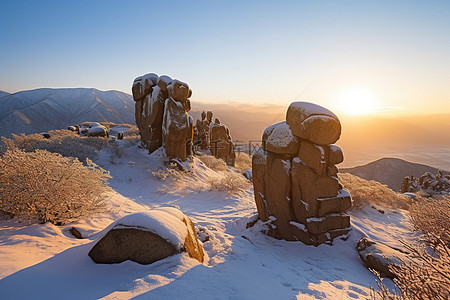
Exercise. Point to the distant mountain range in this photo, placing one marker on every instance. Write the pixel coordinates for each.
(390, 171)
(423, 139)
(46, 109)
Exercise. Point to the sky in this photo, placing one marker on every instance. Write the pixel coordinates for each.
(378, 56)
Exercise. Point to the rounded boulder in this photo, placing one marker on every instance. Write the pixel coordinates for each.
(147, 237)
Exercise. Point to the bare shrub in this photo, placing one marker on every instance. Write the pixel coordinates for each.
(370, 192)
(383, 292)
(182, 182)
(64, 142)
(426, 273)
(243, 162)
(432, 217)
(213, 163)
(230, 182)
(50, 187)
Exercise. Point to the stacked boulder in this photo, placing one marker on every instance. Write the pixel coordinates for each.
(296, 188)
(202, 127)
(221, 143)
(161, 106)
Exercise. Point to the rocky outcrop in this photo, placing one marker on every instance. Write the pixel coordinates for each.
(429, 183)
(221, 143)
(147, 237)
(295, 177)
(202, 128)
(379, 257)
(161, 106)
(215, 137)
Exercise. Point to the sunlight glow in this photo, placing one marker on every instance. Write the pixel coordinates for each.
(356, 101)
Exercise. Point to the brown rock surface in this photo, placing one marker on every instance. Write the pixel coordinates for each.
(277, 191)
(379, 257)
(221, 145)
(297, 192)
(314, 156)
(342, 202)
(328, 222)
(179, 91)
(148, 237)
(175, 129)
(281, 140)
(336, 155)
(313, 122)
(321, 130)
(259, 160)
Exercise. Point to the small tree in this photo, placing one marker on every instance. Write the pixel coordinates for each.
(50, 187)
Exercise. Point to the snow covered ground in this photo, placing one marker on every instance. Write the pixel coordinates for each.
(43, 261)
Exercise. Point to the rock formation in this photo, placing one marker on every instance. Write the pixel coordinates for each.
(214, 136)
(202, 127)
(380, 257)
(295, 177)
(161, 106)
(429, 183)
(221, 143)
(147, 237)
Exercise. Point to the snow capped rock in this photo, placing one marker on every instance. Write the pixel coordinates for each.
(313, 122)
(281, 139)
(148, 236)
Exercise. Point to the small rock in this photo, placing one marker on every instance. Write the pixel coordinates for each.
(75, 233)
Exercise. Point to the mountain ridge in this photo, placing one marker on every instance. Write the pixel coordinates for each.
(45, 109)
(391, 171)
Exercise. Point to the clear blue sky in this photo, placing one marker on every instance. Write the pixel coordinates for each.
(244, 51)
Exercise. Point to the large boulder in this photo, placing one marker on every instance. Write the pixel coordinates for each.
(179, 91)
(221, 144)
(176, 130)
(142, 85)
(147, 237)
(281, 140)
(98, 131)
(380, 257)
(313, 122)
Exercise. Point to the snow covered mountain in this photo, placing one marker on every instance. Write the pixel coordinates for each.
(390, 171)
(46, 109)
(2, 93)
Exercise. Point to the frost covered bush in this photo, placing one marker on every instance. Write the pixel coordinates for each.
(243, 162)
(370, 192)
(183, 182)
(230, 182)
(426, 274)
(216, 164)
(50, 187)
(64, 142)
(432, 217)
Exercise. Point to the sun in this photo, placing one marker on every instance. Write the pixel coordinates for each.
(356, 101)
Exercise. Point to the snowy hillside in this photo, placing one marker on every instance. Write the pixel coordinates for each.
(40, 110)
(240, 264)
(2, 93)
